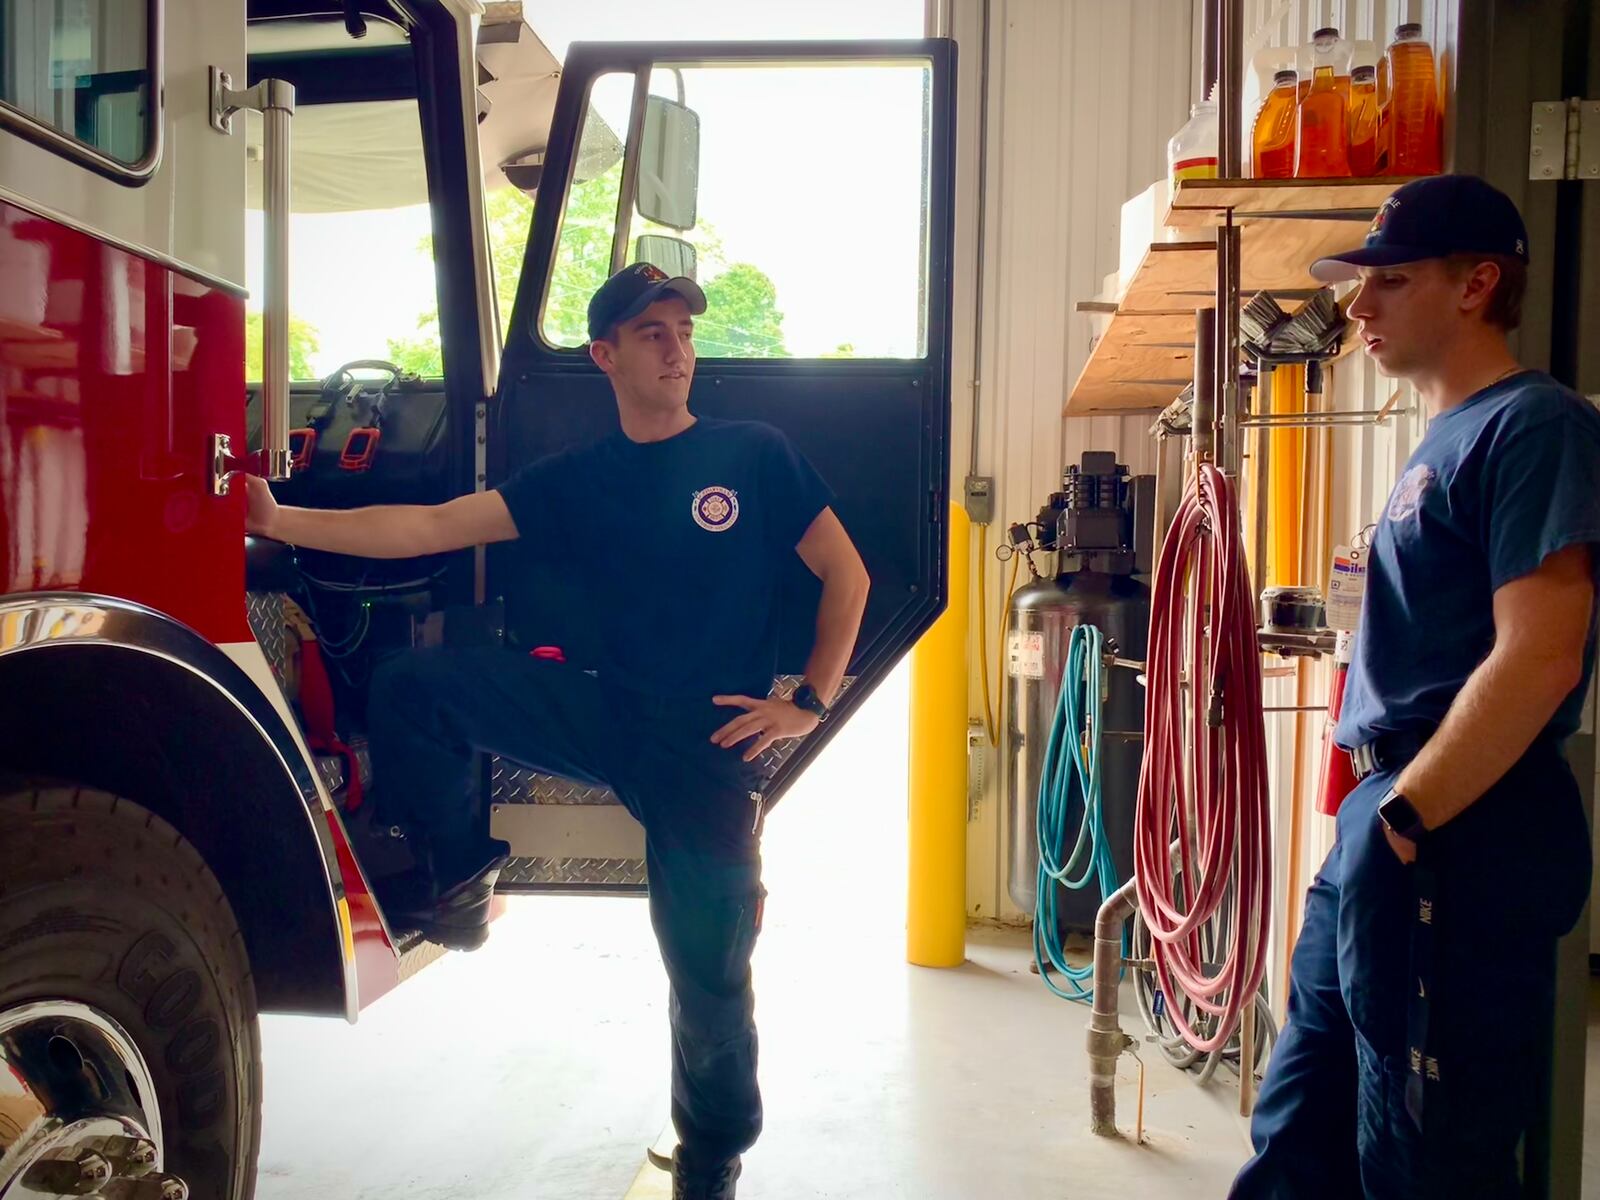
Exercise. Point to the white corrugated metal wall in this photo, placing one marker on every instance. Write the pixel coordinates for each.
(1083, 97)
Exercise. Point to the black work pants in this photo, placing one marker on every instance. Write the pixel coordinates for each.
(1407, 1066)
(432, 710)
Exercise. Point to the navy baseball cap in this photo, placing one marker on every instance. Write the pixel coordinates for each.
(1434, 218)
(632, 290)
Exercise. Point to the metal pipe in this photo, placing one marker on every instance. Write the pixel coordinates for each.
(1230, 88)
(277, 107)
(1231, 451)
(1209, 12)
(1106, 1041)
(1306, 420)
(630, 170)
(1205, 382)
(274, 99)
(1261, 476)
(1230, 165)
(982, 236)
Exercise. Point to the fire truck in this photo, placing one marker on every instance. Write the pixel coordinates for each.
(185, 834)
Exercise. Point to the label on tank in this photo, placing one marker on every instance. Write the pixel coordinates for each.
(1347, 584)
(1025, 655)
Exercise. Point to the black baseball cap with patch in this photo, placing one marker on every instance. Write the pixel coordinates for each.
(632, 290)
(1434, 218)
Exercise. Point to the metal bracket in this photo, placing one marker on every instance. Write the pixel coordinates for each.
(1564, 140)
(1588, 164)
(227, 103)
(225, 465)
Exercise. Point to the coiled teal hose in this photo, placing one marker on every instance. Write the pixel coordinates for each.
(1069, 788)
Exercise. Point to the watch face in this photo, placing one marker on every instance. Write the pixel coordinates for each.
(805, 696)
(1397, 813)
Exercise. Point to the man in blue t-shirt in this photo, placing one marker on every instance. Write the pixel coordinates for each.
(674, 713)
(1424, 973)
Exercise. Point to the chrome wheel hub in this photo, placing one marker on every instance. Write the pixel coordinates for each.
(78, 1109)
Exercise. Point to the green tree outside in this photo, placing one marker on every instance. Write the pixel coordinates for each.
(743, 321)
(303, 343)
(423, 352)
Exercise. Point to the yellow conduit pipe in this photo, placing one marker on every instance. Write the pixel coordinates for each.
(936, 886)
(1284, 467)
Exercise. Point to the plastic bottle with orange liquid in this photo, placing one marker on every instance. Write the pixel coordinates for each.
(1413, 105)
(1322, 142)
(1363, 111)
(1272, 141)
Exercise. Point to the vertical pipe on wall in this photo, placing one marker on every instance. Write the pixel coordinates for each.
(1205, 383)
(1230, 165)
(1210, 10)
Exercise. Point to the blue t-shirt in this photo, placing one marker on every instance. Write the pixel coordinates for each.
(682, 544)
(1497, 485)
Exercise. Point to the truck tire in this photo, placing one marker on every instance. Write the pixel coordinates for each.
(117, 943)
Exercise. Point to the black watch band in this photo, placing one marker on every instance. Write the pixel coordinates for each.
(1396, 812)
(805, 696)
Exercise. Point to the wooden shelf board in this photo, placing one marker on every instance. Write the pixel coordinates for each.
(1141, 361)
(1276, 257)
(1145, 355)
(1204, 202)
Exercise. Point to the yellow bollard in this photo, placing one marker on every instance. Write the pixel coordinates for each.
(936, 900)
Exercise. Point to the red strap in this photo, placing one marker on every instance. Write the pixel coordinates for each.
(316, 706)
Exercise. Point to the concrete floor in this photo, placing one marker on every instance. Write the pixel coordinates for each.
(537, 1067)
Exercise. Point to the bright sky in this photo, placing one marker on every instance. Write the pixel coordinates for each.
(814, 175)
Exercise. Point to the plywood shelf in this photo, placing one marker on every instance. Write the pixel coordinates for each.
(1141, 361)
(1146, 354)
(1203, 202)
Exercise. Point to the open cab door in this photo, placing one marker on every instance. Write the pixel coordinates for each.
(809, 189)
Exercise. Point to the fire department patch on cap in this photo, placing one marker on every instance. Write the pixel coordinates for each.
(716, 509)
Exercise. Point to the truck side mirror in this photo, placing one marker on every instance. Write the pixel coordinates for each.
(675, 256)
(669, 164)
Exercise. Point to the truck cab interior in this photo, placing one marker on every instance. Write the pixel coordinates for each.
(380, 412)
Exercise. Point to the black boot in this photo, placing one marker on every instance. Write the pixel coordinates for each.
(717, 1184)
(452, 907)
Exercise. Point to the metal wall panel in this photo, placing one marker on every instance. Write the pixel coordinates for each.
(1083, 98)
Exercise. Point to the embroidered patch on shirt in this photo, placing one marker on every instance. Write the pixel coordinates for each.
(716, 508)
(1408, 493)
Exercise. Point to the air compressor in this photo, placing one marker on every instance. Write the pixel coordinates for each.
(1099, 528)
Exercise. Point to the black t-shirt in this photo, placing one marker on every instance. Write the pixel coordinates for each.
(701, 524)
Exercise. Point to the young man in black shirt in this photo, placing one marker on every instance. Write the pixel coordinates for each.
(676, 715)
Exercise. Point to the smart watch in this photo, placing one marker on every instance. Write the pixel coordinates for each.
(1396, 812)
(805, 696)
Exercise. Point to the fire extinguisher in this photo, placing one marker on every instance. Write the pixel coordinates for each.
(1338, 773)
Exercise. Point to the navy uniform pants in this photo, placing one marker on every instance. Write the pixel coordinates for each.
(433, 710)
(1408, 1064)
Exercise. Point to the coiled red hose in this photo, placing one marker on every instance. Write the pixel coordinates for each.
(1204, 778)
